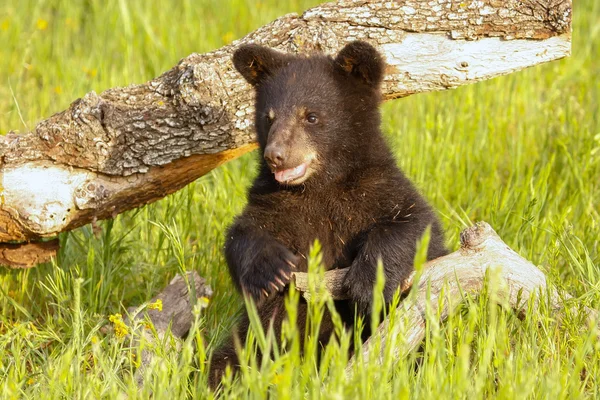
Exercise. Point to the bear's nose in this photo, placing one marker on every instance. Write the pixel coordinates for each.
(274, 155)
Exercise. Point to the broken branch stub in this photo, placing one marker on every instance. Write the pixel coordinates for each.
(126, 147)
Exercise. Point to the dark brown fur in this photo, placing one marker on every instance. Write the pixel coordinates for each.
(355, 201)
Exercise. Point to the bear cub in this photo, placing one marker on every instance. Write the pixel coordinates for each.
(326, 173)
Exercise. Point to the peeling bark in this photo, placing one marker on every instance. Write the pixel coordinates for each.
(100, 153)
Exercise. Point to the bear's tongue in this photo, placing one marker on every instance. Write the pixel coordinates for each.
(287, 175)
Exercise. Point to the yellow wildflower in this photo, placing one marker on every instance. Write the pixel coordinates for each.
(135, 361)
(157, 305)
(204, 301)
(41, 24)
(228, 37)
(91, 73)
(277, 378)
(121, 329)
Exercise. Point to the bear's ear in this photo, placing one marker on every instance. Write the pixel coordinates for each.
(362, 61)
(256, 62)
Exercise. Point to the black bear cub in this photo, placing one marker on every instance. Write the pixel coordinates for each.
(326, 174)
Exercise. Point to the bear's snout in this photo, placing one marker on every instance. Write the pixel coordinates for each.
(275, 155)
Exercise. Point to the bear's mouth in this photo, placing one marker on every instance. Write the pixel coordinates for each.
(291, 175)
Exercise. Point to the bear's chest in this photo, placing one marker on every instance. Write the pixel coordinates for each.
(337, 219)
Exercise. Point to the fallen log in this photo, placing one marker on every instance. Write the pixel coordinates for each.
(448, 279)
(452, 276)
(126, 147)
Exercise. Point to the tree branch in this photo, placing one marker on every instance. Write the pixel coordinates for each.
(130, 146)
(451, 277)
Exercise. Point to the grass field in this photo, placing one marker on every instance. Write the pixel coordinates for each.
(521, 152)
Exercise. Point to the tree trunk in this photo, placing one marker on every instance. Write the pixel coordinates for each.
(129, 146)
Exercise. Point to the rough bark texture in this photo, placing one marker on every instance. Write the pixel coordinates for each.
(102, 151)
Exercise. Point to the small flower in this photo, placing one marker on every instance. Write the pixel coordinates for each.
(277, 378)
(5, 25)
(157, 305)
(30, 381)
(95, 339)
(41, 24)
(57, 89)
(91, 73)
(135, 361)
(228, 37)
(204, 301)
(121, 330)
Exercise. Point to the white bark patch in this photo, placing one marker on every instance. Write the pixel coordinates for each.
(434, 61)
(41, 194)
(408, 10)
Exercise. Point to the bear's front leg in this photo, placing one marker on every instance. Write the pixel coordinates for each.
(395, 244)
(258, 263)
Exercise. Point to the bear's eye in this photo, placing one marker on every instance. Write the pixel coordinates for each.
(312, 118)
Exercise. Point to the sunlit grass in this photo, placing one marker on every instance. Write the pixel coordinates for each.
(521, 152)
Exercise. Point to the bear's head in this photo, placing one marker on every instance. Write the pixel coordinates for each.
(315, 115)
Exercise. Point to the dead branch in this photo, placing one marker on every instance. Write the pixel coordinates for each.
(453, 276)
(129, 146)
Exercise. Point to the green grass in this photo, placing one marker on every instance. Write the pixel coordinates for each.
(521, 152)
